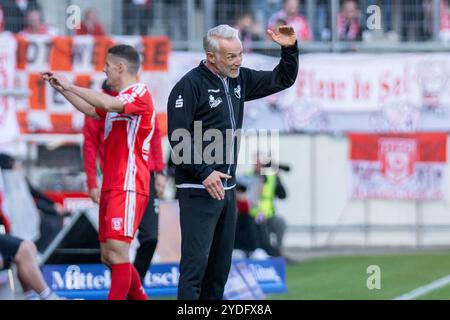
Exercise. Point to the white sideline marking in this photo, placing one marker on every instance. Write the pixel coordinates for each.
(442, 282)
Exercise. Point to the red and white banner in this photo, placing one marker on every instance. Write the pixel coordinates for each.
(398, 166)
(81, 59)
(9, 129)
(333, 92)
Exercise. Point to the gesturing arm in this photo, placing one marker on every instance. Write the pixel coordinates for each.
(80, 104)
(76, 101)
(94, 98)
(264, 83)
(98, 99)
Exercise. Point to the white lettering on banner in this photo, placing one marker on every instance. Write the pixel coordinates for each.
(264, 274)
(166, 279)
(74, 279)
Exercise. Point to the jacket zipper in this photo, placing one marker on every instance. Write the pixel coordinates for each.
(233, 124)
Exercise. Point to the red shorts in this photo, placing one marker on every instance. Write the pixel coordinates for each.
(120, 214)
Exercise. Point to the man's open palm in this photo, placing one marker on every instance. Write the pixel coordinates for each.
(284, 36)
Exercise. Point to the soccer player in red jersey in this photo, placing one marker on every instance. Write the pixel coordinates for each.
(93, 153)
(129, 122)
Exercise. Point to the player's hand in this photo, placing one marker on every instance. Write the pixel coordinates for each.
(214, 186)
(47, 76)
(59, 81)
(284, 36)
(160, 184)
(94, 194)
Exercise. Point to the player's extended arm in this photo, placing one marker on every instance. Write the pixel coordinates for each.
(94, 98)
(76, 101)
(98, 99)
(80, 104)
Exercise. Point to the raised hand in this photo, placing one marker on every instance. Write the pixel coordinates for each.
(284, 36)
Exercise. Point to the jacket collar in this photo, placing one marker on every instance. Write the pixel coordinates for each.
(204, 68)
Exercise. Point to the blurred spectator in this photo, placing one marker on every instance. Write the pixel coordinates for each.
(444, 33)
(137, 16)
(246, 237)
(348, 22)
(34, 24)
(14, 12)
(262, 11)
(265, 187)
(387, 31)
(290, 14)
(91, 24)
(321, 27)
(249, 31)
(413, 26)
(226, 13)
(259, 230)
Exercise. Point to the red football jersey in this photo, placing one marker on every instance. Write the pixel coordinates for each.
(127, 141)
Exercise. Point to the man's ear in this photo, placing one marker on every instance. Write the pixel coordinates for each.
(211, 57)
(121, 67)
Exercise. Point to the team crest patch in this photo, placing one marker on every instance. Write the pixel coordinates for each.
(213, 103)
(237, 92)
(117, 224)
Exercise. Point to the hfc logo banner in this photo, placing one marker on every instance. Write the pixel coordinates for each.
(398, 166)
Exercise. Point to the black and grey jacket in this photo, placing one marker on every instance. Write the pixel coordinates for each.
(202, 101)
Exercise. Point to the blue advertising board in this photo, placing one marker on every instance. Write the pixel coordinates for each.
(92, 281)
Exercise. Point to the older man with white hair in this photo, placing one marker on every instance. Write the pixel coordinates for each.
(206, 105)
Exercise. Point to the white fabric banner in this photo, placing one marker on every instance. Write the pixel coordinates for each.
(333, 92)
(9, 129)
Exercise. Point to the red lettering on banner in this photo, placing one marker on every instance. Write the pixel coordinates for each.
(361, 89)
(309, 85)
(394, 86)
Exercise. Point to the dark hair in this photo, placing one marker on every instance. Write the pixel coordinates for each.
(129, 54)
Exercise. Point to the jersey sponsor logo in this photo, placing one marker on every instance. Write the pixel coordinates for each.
(117, 224)
(237, 91)
(214, 91)
(179, 102)
(214, 103)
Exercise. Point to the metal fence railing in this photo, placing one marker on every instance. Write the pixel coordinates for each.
(322, 25)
